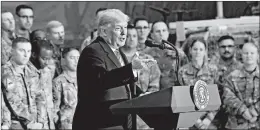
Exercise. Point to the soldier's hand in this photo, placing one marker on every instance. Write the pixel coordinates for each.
(247, 115)
(34, 126)
(149, 62)
(49, 68)
(144, 94)
(55, 119)
(198, 123)
(4, 127)
(136, 64)
(253, 111)
(205, 123)
(253, 119)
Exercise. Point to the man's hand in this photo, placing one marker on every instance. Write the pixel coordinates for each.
(49, 68)
(247, 115)
(34, 126)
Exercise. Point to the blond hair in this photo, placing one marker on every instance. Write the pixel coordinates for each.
(53, 24)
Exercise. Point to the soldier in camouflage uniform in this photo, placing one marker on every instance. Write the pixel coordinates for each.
(149, 76)
(199, 69)
(44, 62)
(65, 90)
(7, 31)
(226, 63)
(56, 35)
(166, 59)
(21, 83)
(241, 92)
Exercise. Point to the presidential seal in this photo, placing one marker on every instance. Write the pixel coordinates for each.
(201, 94)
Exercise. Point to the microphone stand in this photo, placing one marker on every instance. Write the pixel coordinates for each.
(177, 55)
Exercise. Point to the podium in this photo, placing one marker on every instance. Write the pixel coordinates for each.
(170, 108)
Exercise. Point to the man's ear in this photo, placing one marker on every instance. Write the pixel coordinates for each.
(152, 35)
(103, 31)
(16, 17)
(12, 52)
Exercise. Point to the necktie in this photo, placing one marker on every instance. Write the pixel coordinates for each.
(129, 120)
(119, 57)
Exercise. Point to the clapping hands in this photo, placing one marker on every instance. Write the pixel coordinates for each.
(35, 125)
(250, 115)
(137, 64)
(202, 124)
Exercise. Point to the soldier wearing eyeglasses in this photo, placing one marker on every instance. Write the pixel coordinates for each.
(24, 18)
(143, 30)
(226, 63)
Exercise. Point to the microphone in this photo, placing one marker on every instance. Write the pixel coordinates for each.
(150, 43)
(162, 46)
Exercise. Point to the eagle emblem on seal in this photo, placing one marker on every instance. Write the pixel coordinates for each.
(201, 94)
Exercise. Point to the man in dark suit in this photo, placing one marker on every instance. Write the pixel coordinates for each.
(104, 75)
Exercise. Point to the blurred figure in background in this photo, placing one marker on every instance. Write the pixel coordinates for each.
(7, 35)
(252, 8)
(143, 30)
(166, 59)
(38, 34)
(56, 35)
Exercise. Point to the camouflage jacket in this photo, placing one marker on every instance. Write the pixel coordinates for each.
(241, 91)
(166, 60)
(58, 60)
(5, 114)
(189, 74)
(47, 106)
(23, 91)
(5, 50)
(65, 97)
(224, 68)
(149, 76)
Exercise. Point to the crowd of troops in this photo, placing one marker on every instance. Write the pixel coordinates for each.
(39, 84)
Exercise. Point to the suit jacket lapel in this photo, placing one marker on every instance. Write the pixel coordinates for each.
(109, 52)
